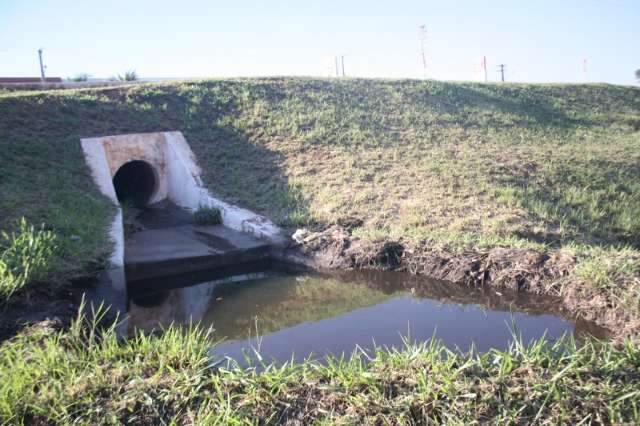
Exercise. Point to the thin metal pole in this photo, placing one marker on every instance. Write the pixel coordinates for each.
(42, 77)
(484, 65)
(343, 74)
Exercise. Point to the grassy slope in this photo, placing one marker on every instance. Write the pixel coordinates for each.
(463, 166)
(75, 377)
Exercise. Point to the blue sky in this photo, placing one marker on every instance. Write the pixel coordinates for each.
(540, 41)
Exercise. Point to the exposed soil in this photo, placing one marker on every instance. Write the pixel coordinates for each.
(514, 269)
(38, 308)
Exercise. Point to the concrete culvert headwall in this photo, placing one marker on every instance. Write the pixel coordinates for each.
(147, 168)
(135, 182)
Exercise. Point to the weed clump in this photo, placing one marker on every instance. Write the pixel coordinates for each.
(207, 216)
(24, 255)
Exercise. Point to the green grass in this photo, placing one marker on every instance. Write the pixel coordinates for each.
(207, 216)
(25, 256)
(457, 167)
(83, 376)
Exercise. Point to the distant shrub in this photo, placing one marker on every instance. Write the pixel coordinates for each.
(80, 77)
(207, 216)
(24, 255)
(130, 75)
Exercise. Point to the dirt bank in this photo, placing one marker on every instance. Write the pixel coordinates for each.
(515, 269)
(40, 307)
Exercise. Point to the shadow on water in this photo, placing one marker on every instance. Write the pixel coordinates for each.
(284, 315)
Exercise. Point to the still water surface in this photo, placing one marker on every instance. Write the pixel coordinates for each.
(299, 315)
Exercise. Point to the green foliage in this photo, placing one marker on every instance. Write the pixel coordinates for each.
(80, 77)
(129, 75)
(66, 371)
(24, 255)
(88, 376)
(206, 215)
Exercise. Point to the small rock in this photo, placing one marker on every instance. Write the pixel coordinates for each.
(300, 235)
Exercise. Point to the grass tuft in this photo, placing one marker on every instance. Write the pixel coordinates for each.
(25, 255)
(207, 216)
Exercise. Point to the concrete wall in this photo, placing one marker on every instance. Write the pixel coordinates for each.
(177, 179)
(177, 175)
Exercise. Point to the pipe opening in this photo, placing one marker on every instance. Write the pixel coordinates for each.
(135, 183)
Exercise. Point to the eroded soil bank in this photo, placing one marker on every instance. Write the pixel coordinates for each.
(522, 270)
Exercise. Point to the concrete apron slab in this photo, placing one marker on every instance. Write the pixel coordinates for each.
(172, 251)
(178, 181)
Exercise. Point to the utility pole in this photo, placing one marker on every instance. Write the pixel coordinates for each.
(342, 60)
(501, 69)
(484, 67)
(422, 35)
(42, 67)
(336, 61)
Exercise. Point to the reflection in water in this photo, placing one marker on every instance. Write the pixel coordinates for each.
(303, 314)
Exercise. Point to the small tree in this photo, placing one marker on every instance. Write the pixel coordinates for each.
(130, 75)
(80, 77)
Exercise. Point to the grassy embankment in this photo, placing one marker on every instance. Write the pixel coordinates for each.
(81, 377)
(462, 167)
